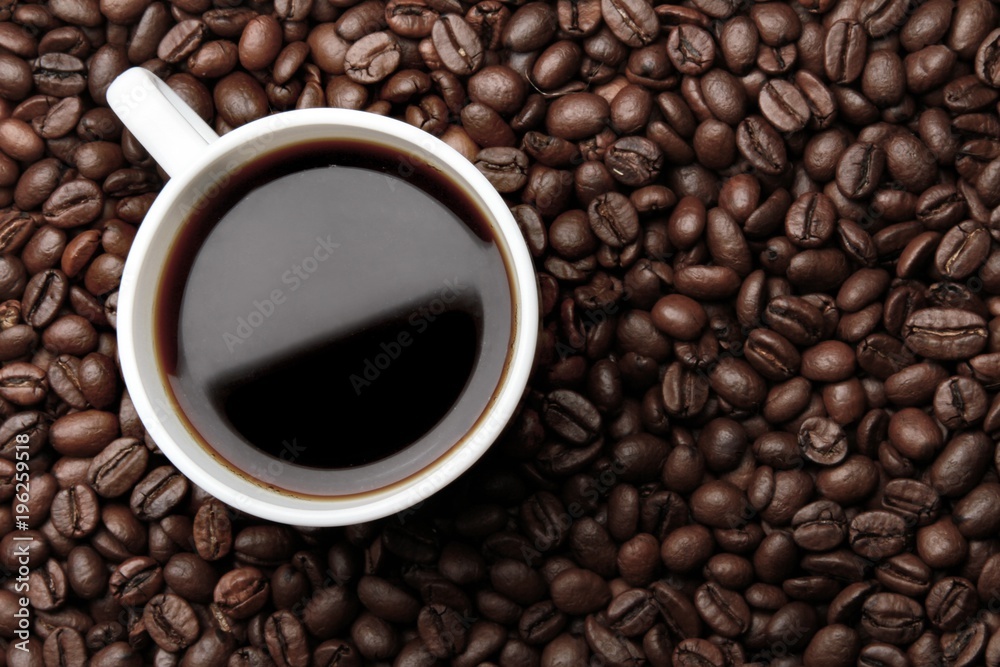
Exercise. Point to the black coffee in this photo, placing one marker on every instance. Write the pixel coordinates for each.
(330, 307)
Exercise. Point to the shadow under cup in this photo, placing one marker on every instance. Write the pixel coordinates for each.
(302, 316)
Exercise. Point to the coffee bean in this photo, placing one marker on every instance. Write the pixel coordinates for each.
(239, 99)
(759, 143)
(84, 433)
(910, 161)
(170, 622)
(844, 51)
(286, 641)
(158, 493)
(505, 168)
(962, 250)
(915, 501)
(945, 333)
(687, 548)
(260, 42)
(181, 41)
(719, 504)
(722, 610)
(697, 652)
(819, 526)
(608, 646)
(987, 65)
(136, 581)
(975, 514)
(784, 106)
(822, 441)
(634, 161)
(878, 534)
(241, 593)
(738, 383)
(530, 27)
(956, 470)
(75, 511)
(950, 603)
(212, 531)
(17, 77)
(691, 49)
(577, 116)
(457, 45)
(442, 631)
(65, 646)
(191, 577)
(905, 573)
(613, 219)
(892, 618)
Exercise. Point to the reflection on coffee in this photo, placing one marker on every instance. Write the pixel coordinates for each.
(331, 305)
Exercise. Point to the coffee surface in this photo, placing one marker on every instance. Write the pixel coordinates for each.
(330, 311)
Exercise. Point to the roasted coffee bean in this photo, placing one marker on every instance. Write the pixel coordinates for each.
(761, 145)
(634, 161)
(83, 433)
(914, 500)
(950, 602)
(987, 66)
(958, 467)
(75, 512)
(242, 592)
(609, 646)
(822, 441)
(22, 383)
(810, 221)
(859, 170)
(505, 168)
(722, 610)
(691, 49)
(613, 219)
(976, 514)
(633, 22)
(286, 640)
(878, 534)
(212, 532)
(260, 42)
(191, 577)
(58, 74)
(457, 44)
(170, 622)
(844, 51)
(892, 618)
(784, 106)
(945, 333)
(577, 116)
(158, 493)
(65, 646)
(136, 581)
(182, 40)
(530, 28)
(904, 573)
(819, 526)
(962, 250)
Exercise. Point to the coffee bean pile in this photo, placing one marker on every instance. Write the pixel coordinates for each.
(762, 429)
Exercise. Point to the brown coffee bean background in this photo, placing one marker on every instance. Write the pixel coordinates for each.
(762, 427)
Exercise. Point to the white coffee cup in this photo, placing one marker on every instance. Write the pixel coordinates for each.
(199, 162)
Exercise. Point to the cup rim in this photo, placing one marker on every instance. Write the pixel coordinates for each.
(260, 499)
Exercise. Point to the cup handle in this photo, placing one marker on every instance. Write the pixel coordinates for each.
(170, 130)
